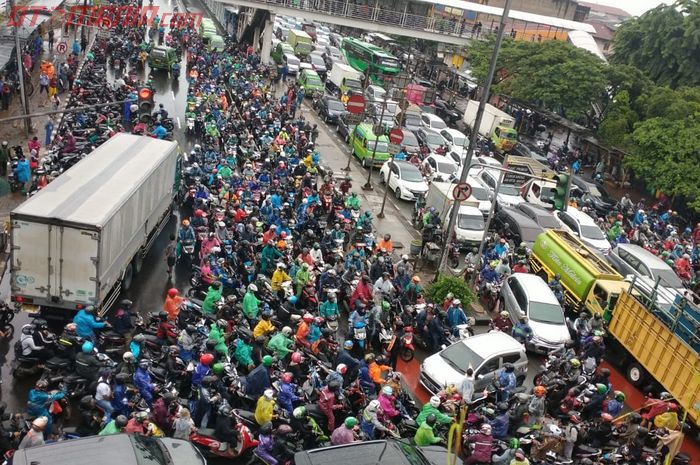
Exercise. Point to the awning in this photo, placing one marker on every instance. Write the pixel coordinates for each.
(7, 41)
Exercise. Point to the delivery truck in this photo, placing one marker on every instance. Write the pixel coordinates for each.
(81, 240)
(301, 42)
(534, 190)
(343, 78)
(496, 125)
(652, 346)
(469, 228)
(589, 281)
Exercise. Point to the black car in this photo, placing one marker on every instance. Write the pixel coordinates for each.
(331, 109)
(523, 150)
(520, 227)
(390, 452)
(319, 65)
(592, 193)
(540, 215)
(344, 129)
(447, 112)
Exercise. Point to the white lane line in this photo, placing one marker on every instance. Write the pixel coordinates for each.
(173, 94)
(179, 126)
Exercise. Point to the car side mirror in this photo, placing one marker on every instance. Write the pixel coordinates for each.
(480, 376)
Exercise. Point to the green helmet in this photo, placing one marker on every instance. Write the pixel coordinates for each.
(350, 422)
(514, 443)
(601, 388)
(620, 396)
(267, 360)
(218, 368)
(385, 305)
(299, 412)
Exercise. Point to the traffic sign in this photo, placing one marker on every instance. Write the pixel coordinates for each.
(396, 136)
(394, 149)
(356, 104)
(61, 48)
(462, 191)
(351, 118)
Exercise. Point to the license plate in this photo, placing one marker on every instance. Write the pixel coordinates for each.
(30, 308)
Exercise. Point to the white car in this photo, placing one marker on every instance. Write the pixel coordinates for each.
(585, 228)
(507, 195)
(457, 143)
(403, 179)
(431, 121)
(480, 194)
(375, 93)
(528, 295)
(441, 167)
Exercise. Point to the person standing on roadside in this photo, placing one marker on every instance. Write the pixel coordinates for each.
(4, 157)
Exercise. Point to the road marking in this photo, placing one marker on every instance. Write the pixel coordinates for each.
(173, 94)
(179, 126)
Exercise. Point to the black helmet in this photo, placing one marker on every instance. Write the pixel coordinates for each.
(122, 378)
(225, 410)
(208, 381)
(642, 431)
(431, 419)
(87, 403)
(168, 397)
(502, 407)
(163, 315)
(266, 428)
(334, 385)
(126, 303)
(121, 421)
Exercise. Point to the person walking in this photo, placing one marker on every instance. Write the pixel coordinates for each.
(43, 85)
(48, 127)
(4, 157)
(50, 40)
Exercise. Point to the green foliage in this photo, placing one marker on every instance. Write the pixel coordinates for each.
(616, 128)
(436, 291)
(664, 43)
(553, 74)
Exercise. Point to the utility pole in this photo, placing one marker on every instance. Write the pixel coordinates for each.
(474, 132)
(20, 66)
(368, 185)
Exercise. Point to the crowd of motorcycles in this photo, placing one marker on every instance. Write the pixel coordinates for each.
(280, 255)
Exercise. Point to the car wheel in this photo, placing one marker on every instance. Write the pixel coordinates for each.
(364, 163)
(337, 129)
(325, 119)
(382, 179)
(397, 192)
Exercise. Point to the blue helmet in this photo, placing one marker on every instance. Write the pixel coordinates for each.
(87, 347)
(292, 299)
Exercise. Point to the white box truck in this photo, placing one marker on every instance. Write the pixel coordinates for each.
(470, 227)
(496, 125)
(81, 239)
(343, 78)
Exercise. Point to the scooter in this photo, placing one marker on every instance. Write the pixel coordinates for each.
(407, 350)
(359, 334)
(210, 447)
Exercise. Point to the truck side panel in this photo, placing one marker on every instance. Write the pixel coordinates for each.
(127, 231)
(42, 252)
(671, 362)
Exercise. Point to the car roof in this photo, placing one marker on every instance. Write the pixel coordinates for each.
(487, 344)
(649, 259)
(581, 217)
(453, 132)
(432, 116)
(405, 165)
(105, 450)
(441, 159)
(357, 453)
(521, 218)
(536, 288)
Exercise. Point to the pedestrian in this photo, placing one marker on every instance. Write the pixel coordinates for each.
(83, 42)
(171, 253)
(50, 40)
(43, 85)
(48, 127)
(34, 144)
(75, 49)
(55, 102)
(53, 86)
(183, 426)
(4, 157)
(70, 75)
(27, 61)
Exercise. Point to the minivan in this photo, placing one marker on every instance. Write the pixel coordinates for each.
(486, 353)
(528, 295)
(364, 145)
(310, 81)
(520, 227)
(292, 62)
(585, 228)
(431, 121)
(631, 259)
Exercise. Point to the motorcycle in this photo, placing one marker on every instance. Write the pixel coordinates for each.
(187, 251)
(204, 440)
(359, 334)
(407, 350)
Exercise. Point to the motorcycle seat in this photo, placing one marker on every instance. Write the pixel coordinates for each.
(73, 377)
(111, 334)
(587, 449)
(206, 432)
(57, 362)
(28, 359)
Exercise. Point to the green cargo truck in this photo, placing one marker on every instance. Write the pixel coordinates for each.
(588, 280)
(301, 42)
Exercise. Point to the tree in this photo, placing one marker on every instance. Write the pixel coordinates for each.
(552, 74)
(664, 43)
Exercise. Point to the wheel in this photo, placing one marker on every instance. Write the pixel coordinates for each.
(397, 193)
(406, 354)
(364, 163)
(635, 374)
(337, 129)
(128, 278)
(453, 262)
(382, 179)
(9, 331)
(138, 262)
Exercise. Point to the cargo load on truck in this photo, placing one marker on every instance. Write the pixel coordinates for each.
(588, 279)
(469, 228)
(656, 345)
(82, 238)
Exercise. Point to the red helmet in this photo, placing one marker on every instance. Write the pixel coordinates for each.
(172, 292)
(283, 234)
(287, 377)
(672, 407)
(199, 212)
(408, 329)
(206, 359)
(318, 321)
(308, 318)
(606, 417)
(296, 357)
(341, 368)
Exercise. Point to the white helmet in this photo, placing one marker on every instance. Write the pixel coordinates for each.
(373, 405)
(435, 401)
(252, 288)
(269, 394)
(486, 428)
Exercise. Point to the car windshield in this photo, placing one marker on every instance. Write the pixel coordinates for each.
(389, 62)
(437, 124)
(317, 60)
(459, 356)
(470, 222)
(668, 278)
(507, 189)
(158, 53)
(548, 222)
(546, 313)
(434, 139)
(336, 105)
(149, 451)
(410, 173)
(458, 141)
(334, 52)
(412, 119)
(592, 232)
(292, 60)
(409, 139)
(529, 234)
(446, 168)
(353, 84)
(313, 81)
(391, 108)
(382, 147)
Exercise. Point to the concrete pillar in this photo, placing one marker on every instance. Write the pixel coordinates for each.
(256, 39)
(267, 40)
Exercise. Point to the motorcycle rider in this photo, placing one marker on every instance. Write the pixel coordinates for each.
(225, 429)
(281, 448)
(456, 317)
(522, 332)
(142, 381)
(251, 304)
(501, 423)
(265, 444)
(436, 331)
(345, 433)
(433, 408)
(329, 401)
(287, 393)
(483, 444)
(36, 341)
(536, 406)
(281, 343)
(86, 363)
(503, 322)
(39, 401)
(86, 324)
(370, 424)
(258, 380)
(506, 382)
(424, 435)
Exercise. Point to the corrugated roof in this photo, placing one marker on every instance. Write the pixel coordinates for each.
(609, 10)
(515, 14)
(584, 40)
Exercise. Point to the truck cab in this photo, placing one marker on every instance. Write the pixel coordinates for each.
(504, 138)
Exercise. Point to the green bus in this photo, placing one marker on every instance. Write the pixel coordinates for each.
(364, 56)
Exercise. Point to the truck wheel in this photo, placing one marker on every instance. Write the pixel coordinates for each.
(128, 278)
(635, 374)
(137, 263)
